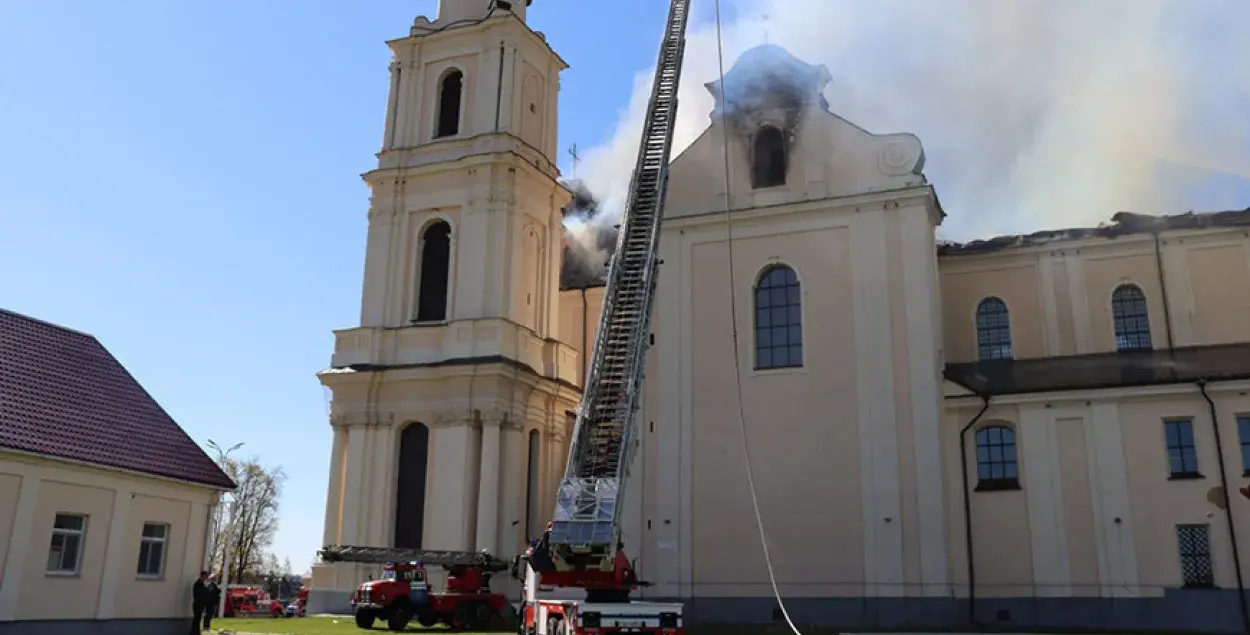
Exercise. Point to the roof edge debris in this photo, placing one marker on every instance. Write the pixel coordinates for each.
(1122, 224)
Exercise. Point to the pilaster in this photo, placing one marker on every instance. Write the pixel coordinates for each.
(19, 548)
(874, 358)
(1044, 496)
(106, 606)
(488, 493)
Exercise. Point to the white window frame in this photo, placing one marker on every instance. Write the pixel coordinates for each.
(81, 534)
(152, 542)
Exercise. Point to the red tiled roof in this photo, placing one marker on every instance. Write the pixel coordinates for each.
(62, 394)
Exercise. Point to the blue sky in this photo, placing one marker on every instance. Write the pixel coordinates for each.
(181, 179)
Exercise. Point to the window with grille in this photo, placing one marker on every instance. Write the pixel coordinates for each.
(1182, 453)
(1131, 318)
(996, 459)
(1243, 434)
(778, 320)
(152, 550)
(65, 553)
(1195, 549)
(993, 329)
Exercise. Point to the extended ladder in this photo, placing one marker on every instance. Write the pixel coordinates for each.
(427, 557)
(586, 522)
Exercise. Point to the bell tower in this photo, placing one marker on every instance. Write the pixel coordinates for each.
(455, 369)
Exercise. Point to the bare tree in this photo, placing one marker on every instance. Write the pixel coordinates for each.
(250, 519)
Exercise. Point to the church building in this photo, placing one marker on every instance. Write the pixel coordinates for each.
(1048, 430)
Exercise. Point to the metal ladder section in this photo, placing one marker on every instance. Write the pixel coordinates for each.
(427, 557)
(587, 514)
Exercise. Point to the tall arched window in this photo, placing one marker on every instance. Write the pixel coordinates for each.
(414, 444)
(768, 158)
(993, 329)
(1130, 317)
(996, 459)
(449, 92)
(531, 488)
(778, 319)
(435, 267)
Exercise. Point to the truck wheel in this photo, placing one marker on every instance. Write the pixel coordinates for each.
(399, 618)
(482, 615)
(461, 617)
(364, 619)
(427, 618)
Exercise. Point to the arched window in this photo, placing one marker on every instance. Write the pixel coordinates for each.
(449, 92)
(414, 443)
(768, 167)
(778, 319)
(435, 266)
(531, 489)
(993, 329)
(1131, 318)
(996, 459)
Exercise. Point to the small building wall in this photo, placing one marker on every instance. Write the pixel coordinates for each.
(106, 593)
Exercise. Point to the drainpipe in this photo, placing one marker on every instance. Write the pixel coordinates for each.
(1228, 508)
(963, 462)
(1163, 288)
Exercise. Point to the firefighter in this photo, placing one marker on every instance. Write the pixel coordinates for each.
(201, 601)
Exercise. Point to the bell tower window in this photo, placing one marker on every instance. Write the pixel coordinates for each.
(435, 266)
(449, 93)
(768, 167)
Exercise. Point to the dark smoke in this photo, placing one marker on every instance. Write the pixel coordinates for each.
(589, 240)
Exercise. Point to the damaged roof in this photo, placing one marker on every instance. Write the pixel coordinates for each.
(1103, 370)
(1122, 224)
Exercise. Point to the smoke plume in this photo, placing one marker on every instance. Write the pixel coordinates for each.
(1034, 113)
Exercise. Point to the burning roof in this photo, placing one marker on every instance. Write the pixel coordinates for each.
(1122, 224)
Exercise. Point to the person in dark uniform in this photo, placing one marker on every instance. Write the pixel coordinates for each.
(214, 601)
(201, 602)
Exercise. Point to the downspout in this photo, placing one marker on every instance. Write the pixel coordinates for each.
(963, 462)
(1163, 288)
(1228, 509)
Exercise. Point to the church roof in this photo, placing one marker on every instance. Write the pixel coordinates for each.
(63, 395)
(1122, 224)
(1224, 362)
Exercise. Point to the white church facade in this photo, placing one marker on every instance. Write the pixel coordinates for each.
(1046, 430)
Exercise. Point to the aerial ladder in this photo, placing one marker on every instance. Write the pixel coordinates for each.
(582, 547)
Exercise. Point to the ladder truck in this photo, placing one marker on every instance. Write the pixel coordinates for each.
(582, 547)
(402, 594)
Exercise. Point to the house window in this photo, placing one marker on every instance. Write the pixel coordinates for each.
(1182, 454)
(996, 459)
(449, 104)
(993, 329)
(778, 319)
(152, 550)
(1243, 433)
(435, 267)
(1194, 542)
(768, 158)
(65, 554)
(1131, 318)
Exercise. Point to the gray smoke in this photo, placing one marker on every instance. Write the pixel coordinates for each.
(589, 239)
(1034, 113)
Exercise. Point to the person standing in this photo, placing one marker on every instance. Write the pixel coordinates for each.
(201, 600)
(214, 601)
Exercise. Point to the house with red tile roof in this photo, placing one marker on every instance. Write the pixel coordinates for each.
(105, 502)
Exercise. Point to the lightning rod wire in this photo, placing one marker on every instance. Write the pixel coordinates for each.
(733, 321)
